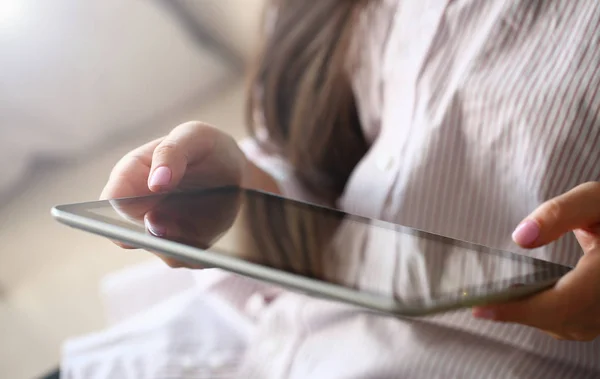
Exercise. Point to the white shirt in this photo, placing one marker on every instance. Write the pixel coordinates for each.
(477, 111)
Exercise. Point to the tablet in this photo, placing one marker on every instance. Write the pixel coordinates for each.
(323, 252)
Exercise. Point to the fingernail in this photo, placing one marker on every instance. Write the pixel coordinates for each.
(526, 233)
(484, 313)
(157, 230)
(160, 177)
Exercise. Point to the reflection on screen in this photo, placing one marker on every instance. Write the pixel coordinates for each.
(380, 258)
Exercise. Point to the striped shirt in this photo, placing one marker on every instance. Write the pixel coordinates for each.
(477, 111)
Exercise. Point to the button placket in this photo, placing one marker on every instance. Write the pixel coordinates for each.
(386, 163)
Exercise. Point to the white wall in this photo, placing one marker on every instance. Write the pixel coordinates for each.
(71, 73)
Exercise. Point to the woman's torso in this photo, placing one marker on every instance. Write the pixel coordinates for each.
(478, 111)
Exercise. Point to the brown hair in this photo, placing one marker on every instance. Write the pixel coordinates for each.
(302, 89)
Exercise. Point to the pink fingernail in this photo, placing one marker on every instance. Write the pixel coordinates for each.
(157, 230)
(161, 177)
(484, 313)
(526, 233)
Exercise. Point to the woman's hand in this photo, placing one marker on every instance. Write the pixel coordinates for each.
(187, 218)
(571, 309)
(193, 156)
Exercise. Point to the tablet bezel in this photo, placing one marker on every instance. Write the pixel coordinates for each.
(81, 216)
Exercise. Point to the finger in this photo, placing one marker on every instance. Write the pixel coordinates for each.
(129, 176)
(186, 144)
(578, 208)
(176, 263)
(555, 309)
(159, 227)
(588, 238)
(133, 211)
(196, 221)
(542, 311)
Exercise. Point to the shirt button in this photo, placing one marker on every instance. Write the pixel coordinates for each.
(254, 305)
(220, 360)
(272, 346)
(386, 163)
(186, 362)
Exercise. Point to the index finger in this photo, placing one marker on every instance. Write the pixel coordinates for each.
(129, 176)
(578, 208)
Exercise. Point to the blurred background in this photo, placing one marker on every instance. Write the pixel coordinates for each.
(81, 84)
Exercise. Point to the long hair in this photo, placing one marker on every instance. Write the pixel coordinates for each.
(302, 90)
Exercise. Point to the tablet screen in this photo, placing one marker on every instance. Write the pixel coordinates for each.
(382, 259)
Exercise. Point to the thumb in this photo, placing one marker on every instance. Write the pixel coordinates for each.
(188, 143)
(556, 308)
(543, 311)
(576, 209)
